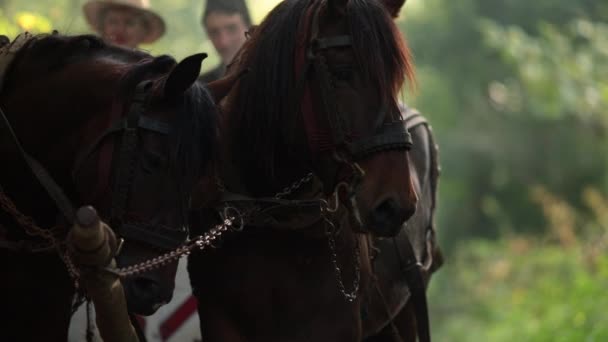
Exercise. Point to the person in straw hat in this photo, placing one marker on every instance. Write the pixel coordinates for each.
(126, 23)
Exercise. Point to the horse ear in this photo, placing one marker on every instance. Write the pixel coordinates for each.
(393, 6)
(337, 7)
(4, 41)
(183, 75)
(220, 88)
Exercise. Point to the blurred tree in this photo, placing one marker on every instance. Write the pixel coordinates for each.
(497, 126)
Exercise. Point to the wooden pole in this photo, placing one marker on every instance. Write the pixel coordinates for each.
(92, 246)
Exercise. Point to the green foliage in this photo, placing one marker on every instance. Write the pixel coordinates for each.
(23, 21)
(516, 93)
(527, 288)
(521, 289)
(7, 26)
(557, 73)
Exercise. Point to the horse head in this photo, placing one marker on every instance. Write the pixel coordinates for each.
(117, 129)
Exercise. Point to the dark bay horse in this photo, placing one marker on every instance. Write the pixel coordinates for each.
(85, 123)
(314, 153)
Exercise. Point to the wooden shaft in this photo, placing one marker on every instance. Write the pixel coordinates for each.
(92, 244)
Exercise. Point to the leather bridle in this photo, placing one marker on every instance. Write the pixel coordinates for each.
(387, 136)
(123, 165)
(345, 147)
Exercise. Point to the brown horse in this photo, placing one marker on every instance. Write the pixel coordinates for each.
(88, 123)
(313, 154)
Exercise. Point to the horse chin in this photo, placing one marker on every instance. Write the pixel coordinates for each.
(141, 307)
(145, 294)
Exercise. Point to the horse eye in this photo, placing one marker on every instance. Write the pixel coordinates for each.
(152, 162)
(343, 73)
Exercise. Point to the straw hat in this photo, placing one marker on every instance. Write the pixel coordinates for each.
(155, 24)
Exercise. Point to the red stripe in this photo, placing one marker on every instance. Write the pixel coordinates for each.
(141, 321)
(179, 316)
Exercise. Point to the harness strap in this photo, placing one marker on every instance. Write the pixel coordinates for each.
(275, 212)
(144, 123)
(334, 117)
(128, 152)
(392, 136)
(412, 270)
(412, 117)
(52, 189)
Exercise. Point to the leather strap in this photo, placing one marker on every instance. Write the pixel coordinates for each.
(128, 152)
(274, 212)
(393, 136)
(144, 122)
(412, 270)
(52, 189)
(412, 117)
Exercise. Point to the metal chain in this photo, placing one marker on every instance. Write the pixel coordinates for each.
(351, 295)
(72, 269)
(200, 242)
(28, 224)
(294, 186)
(50, 235)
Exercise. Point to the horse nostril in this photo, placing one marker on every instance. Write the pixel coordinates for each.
(388, 217)
(390, 211)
